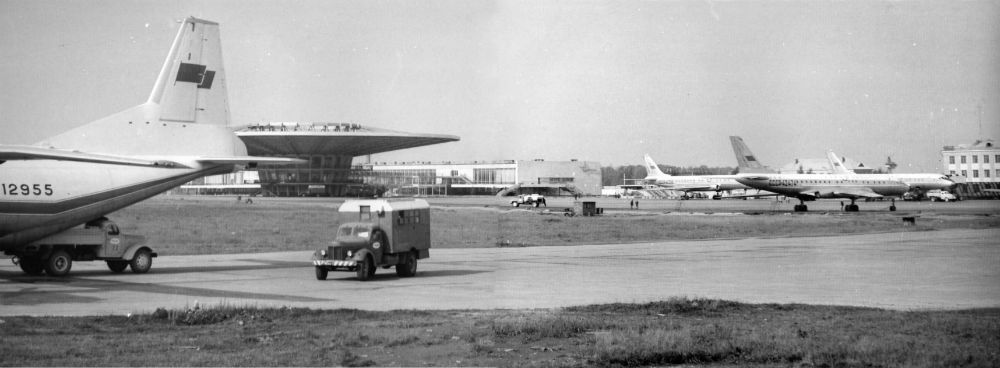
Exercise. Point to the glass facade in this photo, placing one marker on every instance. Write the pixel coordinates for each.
(321, 175)
(505, 176)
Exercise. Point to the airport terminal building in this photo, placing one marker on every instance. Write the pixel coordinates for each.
(551, 178)
(329, 150)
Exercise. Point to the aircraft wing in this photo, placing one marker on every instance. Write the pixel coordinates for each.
(20, 153)
(855, 193)
(689, 187)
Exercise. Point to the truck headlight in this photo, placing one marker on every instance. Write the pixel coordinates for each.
(350, 254)
(322, 252)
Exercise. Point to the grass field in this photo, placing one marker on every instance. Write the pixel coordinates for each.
(677, 331)
(193, 225)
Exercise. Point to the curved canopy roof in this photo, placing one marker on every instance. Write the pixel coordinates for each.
(295, 139)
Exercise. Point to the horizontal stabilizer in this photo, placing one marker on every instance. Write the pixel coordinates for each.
(14, 153)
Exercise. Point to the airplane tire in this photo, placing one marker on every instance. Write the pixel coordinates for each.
(142, 261)
(801, 208)
(117, 266)
(409, 266)
(366, 269)
(321, 273)
(59, 263)
(31, 265)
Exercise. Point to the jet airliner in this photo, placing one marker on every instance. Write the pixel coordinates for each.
(918, 182)
(182, 132)
(689, 183)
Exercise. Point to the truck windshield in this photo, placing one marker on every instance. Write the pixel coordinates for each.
(360, 231)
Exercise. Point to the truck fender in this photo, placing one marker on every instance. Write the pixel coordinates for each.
(361, 254)
(130, 251)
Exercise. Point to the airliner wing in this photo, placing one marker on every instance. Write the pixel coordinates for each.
(856, 193)
(694, 188)
(20, 153)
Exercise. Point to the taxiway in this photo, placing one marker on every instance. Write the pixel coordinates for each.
(950, 269)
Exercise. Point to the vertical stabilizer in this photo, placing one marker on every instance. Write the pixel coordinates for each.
(187, 113)
(653, 170)
(191, 87)
(836, 164)
(745, 159)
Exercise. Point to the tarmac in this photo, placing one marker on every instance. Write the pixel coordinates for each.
(947, 269)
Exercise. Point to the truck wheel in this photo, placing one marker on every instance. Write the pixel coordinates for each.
(31, 265)
(366, 269)
(117, 266)
(142, 261)
(321, 273)
(59, 263)
(409, 266)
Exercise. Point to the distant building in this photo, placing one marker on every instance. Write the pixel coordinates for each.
(551, 178)
(487, 177)
(977, 164)
(329, 150)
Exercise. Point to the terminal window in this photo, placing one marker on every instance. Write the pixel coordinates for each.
(951, 159)
(975, 173)
(986, 173)
(963, 159)
(975, 159)
(986, 159)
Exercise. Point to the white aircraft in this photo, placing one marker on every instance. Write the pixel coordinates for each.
(689, 183)
(809, 187)
(181, 133)
(918, 182)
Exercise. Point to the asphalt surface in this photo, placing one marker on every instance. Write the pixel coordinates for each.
(949, 269)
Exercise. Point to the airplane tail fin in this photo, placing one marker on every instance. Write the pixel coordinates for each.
(187, 113)
(836, 164)
(191, 87)
(745, 159)
(652, 170)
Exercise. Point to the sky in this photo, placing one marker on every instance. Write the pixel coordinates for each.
(604, 81)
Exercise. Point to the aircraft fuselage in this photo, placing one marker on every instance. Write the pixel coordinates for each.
(810, 186)
(41, 197)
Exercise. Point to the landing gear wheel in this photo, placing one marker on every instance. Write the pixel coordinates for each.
(366, 269)
(59, 263)
(409, 266)
(321, 273)
(851, 208)
(31, 265)
(117, 266)
(892, 208)
(142, 261)
(801, 208)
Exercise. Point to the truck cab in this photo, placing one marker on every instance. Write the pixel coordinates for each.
(100, 239)
(377, 233)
